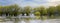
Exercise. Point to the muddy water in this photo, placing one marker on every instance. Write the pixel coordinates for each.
(36, 21)
(32, 20)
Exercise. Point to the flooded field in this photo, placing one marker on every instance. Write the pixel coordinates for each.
(34, 21)
(27, 20)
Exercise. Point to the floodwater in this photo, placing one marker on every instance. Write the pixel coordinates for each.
(21, 19)
(44, 21)
(36, 21)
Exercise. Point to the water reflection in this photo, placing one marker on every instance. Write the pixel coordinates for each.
(28, 19)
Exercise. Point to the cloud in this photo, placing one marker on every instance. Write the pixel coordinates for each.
(53, 0)
(7, 2)
(35, 3)
(32, 3)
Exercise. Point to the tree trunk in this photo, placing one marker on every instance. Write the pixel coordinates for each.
(6, 14)
(27, 14)
(22, 14)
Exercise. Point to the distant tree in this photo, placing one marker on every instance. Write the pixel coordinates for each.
(1, 10)
(11, 10)
(27, 10)
(15, 9)
(58, 9)
(37, 13)
(51, 10)
(37, 9)
(43, 10)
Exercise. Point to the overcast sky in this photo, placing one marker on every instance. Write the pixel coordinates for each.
(32, 3)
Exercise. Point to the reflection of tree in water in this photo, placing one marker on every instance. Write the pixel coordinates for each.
(16, 20)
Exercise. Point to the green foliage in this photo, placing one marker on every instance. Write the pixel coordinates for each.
(16, 10)
(52, 9)
(37, 13)
(58, 8)
(27, 10)
(11, 10)
(43, 10)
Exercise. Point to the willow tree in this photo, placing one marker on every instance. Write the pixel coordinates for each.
(1, 10)
(43, 10)
(4, 10)
(37, 14)
(14, 10)
(58, 9)
(27, 10)
(36, 9)
(11, 10)
(51, 10)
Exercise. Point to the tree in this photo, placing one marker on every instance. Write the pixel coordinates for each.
(14, 10)
(58, 9)
(27, 10)
(36, 9)
(51, 10)
(1, 10)
(11, 10)
(37, 14)
(43, 10)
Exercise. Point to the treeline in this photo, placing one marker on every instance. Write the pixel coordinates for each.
(37, 11)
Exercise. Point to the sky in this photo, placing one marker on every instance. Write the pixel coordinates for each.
(32, 3)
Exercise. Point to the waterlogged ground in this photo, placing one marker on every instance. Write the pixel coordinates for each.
(36, 21)
(42, 21)
(32, 19)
